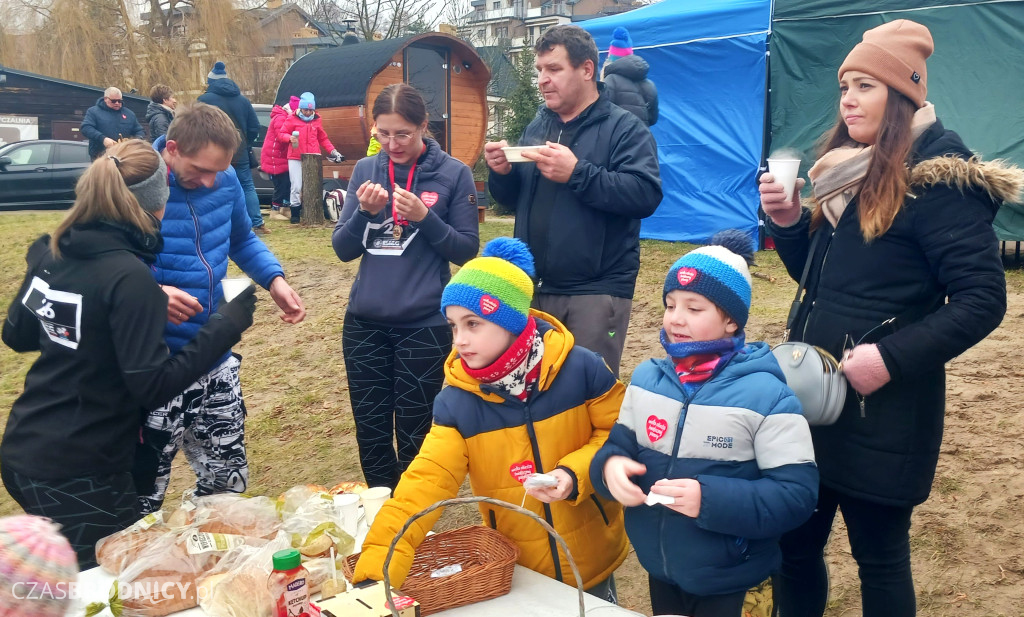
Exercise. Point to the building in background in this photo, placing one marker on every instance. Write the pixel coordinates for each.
(514, 24)
(35, 106)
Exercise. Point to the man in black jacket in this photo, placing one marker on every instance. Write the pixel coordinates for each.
(580, 199)
(224, 93)
(108, 122)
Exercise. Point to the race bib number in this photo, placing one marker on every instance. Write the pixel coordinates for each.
(380, 239)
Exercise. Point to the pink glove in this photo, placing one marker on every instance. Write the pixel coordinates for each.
(865, 369)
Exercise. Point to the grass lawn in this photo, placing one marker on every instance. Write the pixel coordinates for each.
(300, 427)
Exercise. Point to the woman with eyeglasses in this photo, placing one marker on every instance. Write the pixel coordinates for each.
(409, 213)
(904, 263)
(304, 133)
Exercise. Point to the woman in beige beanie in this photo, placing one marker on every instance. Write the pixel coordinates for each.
(904, 274)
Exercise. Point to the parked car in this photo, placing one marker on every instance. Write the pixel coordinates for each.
(41, 174)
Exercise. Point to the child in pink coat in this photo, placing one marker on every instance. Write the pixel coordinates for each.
(274, 159)
(304, 132)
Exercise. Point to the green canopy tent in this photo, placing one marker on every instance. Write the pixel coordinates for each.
(975, 76)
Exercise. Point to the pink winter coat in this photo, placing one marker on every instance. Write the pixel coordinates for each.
(311, 136)
(274, 155)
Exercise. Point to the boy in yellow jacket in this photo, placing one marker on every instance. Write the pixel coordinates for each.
(521, 400)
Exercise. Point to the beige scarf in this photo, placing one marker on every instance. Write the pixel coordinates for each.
(838, 174)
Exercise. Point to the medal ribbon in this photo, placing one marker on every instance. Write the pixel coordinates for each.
(399, 219)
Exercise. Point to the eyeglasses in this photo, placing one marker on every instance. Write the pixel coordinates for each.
(118, 101)
(402, 139)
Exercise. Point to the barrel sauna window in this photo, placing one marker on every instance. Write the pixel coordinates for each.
(426, 69)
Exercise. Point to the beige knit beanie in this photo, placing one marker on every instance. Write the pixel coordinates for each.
(895, 54)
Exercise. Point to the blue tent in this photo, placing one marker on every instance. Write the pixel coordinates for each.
(708, 59)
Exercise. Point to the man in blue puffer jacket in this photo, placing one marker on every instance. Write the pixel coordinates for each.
(204, 224)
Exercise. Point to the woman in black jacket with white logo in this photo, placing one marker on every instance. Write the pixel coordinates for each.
(904, 275)
(90, 305)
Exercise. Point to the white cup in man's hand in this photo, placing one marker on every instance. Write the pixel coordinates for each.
(233, 286)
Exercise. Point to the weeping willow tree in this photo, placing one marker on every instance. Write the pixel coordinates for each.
(103, 42)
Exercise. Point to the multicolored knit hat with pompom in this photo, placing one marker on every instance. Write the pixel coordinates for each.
(621, 44)
(496, 286)
(718, 272)
(36, 566)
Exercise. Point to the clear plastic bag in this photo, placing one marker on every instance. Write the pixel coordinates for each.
(315, 528)
(235, 514)
(237, 586)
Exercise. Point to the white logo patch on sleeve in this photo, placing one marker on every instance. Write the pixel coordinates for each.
(59, 312)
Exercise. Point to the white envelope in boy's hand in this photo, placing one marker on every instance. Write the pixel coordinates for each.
(540, 480)
(656, 498)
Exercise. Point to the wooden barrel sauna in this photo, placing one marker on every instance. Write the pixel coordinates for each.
(345, 80)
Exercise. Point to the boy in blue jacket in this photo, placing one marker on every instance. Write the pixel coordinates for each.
(713, 434)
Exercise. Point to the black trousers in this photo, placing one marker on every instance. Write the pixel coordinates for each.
(393, 376)
(880, 543)
(282, 188)
(87, 508)
(669, 599)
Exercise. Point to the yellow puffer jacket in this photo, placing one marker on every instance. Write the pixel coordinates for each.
(563, 424)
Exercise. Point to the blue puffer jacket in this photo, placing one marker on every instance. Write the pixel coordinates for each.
(742, 436)
(201, 229)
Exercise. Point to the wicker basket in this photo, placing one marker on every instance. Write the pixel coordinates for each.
(487, 558)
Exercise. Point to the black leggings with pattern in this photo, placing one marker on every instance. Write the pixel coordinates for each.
(393, 376)
(87, 508)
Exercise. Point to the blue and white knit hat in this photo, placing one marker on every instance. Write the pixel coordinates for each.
(219, 71)
(496, 286)
(718, 272)
(307, 101)
(621, 45)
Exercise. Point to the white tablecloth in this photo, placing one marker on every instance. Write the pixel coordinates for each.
(532, 595)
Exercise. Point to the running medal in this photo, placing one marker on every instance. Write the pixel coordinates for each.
(398, 221)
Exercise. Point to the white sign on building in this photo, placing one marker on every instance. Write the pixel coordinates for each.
(18, 128)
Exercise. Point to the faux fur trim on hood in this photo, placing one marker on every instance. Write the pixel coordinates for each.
(1003, 182)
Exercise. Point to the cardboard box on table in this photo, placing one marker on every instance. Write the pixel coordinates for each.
(368, 599)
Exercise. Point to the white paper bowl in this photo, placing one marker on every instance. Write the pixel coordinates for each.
(514, 154)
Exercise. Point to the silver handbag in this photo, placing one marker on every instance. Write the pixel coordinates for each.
(812, 373)
(816, 378)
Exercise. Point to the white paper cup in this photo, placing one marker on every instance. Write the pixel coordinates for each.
(346, 507)
(514, 154)
(373, 498)
(234, 286)
(785, 171)
(335, 172)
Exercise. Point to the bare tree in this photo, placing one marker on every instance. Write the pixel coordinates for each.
(457, 12)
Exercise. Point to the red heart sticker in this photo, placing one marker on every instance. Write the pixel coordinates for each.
(521, 471)
(429, 198)
(686, 276)
(489, 304)
(401, 602)
(656, 428)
